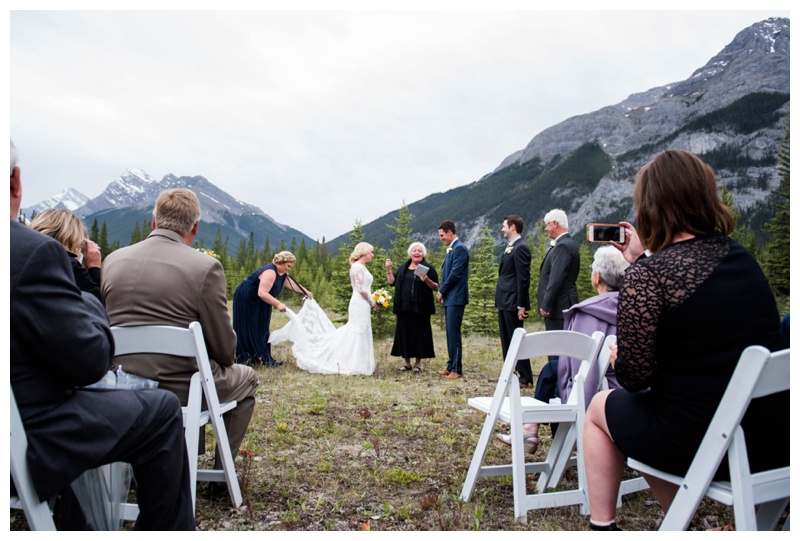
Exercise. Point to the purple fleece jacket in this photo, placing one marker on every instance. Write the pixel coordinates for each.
(598, 313)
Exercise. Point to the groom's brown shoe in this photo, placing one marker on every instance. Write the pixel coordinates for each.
(443, 372)
(453, 375)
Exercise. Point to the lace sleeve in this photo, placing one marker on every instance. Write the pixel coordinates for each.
(358, 281)
(640, 305)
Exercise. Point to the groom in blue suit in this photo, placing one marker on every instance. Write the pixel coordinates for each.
(454, 294)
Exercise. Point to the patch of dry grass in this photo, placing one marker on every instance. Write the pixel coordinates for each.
(390, 450)
(387, 452)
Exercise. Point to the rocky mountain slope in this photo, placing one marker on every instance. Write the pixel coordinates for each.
(732, 112)
(129, 199)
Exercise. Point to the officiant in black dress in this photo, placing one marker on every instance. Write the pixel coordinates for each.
(415, 284)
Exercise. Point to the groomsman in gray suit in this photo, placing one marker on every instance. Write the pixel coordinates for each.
(557, 291)
(512, 299)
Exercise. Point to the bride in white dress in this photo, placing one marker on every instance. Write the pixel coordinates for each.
(318, 346)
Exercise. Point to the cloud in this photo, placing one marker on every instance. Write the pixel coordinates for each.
(322, 117)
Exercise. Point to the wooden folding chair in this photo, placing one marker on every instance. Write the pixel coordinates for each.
(159, 339)
(508, 405)
(759, 373)
(36, 511)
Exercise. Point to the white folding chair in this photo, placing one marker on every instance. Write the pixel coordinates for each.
(507, 405)
(36, 511)
(159, 339)
(759, 373)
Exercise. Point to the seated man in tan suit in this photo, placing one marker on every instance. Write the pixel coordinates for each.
(163, 281)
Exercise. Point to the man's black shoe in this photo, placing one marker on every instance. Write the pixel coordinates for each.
(218, 490)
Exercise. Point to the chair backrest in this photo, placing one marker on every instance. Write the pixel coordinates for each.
(604, 362)
(587, 370)
(545, 343)
(36, 511)
(165, 340)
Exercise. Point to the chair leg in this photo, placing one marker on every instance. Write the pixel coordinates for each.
(769, 514)
(517, 457)
(557, 457)
(744, 506)
(224, 449)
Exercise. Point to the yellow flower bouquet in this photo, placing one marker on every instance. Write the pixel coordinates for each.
(207, 252)
(382, 297)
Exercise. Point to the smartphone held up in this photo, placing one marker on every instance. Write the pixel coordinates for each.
(605, 233)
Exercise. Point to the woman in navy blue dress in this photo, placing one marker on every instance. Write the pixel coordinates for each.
(252, 309)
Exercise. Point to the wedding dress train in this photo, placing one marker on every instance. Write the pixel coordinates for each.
(321, 348)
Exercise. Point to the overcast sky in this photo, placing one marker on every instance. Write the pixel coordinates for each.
(320, 118)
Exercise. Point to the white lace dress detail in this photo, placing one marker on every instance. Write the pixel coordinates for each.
(321, 348)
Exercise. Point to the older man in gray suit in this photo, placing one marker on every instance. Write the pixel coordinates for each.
(163, 281)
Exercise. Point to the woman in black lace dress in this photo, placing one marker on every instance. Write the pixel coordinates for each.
(685, 315)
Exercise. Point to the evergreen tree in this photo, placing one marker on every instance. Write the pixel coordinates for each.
(539, 243)
(584, 280)
(241, 254)
(480, 315)
(217, 247)
(340, 274)
(136, 235)
(102, 241)
(94, 235)
(383, 320)
(266, 253)
(147, 228)
(776, 264)
(741, 233)
(251, 247)
(402, 236)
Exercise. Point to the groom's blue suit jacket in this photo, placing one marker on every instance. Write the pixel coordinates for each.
(455, 275)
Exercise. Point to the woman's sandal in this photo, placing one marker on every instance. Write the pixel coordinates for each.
(417, 369)
(531, 442)
(405, 368)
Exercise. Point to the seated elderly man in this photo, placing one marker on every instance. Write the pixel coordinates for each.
(163, 281)
(60, 341)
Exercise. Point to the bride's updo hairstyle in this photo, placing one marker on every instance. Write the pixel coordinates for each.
(283, 257)
(362, 248)
(677, 192)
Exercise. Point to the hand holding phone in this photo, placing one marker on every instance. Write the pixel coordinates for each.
(597, 233)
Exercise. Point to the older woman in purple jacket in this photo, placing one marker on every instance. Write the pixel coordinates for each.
(598, 313)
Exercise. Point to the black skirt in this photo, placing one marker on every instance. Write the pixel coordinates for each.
(413, 337)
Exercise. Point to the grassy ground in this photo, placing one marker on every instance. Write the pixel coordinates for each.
(389, 451)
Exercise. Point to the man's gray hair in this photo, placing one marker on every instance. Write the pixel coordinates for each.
(557, 215)
(610, 264)
(411, 247)
(177, 210)
(14, 158)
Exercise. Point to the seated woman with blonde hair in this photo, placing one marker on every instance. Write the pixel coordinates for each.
(84, 254)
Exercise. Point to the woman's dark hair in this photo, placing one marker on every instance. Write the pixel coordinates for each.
(677, 192)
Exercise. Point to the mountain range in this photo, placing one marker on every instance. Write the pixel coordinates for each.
(129, 200)
(732, 112)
